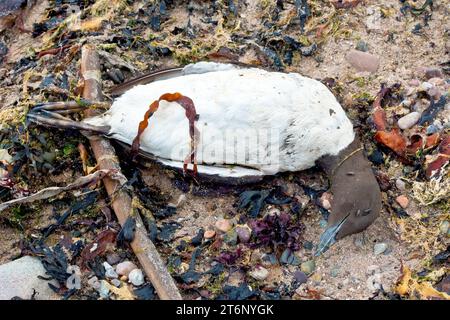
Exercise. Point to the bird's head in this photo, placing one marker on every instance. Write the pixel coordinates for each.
(356, 197)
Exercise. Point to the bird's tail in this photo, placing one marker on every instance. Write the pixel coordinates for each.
(53, 114)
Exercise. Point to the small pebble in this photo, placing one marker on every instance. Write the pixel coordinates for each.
(231, 237)
(444, 227)
(325, 200)
(334, 272)
(308, 267)
(113, 258)
(300, 277)
(136, 277)
(103, 290)
(406, 103)
(109, 271)
(116, 283)
(425, 86)
(379, 248)
(362, 46)
(373, 269)
(209, 234)
(259, 273)
(400, 184)
(434, 92)
(433, 73)
(363, 61)
(402, 201)
(409, 120)
(124, 268)
(244, 233)
(224, 225)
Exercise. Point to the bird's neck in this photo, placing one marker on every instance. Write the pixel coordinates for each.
(331, 164)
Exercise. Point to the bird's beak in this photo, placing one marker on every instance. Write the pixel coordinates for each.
(328, 238)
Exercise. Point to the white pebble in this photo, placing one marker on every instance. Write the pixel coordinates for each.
(109, 271)
(124, 268)
(136, 277)
(426, 86)
(400, 184)
(409, 120)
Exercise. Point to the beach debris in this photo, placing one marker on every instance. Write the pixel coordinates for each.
(46, 193)
(408, 285)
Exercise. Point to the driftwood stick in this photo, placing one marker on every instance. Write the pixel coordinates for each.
(105, 154)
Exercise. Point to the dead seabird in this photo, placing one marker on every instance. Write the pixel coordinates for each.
(235, 122)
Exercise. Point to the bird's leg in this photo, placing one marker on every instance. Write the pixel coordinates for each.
(191, 115)
(53, 114)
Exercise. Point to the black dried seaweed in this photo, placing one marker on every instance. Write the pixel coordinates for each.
(243, 292)
(86, 202)
(97, 267)
(147, 292)
(126, 234)
(442, 257)
(254, 200)
(217, 269)
(165, 212)
(191, 275)
(197, 240)
(430, 113)
(54, 261)
(167, 230)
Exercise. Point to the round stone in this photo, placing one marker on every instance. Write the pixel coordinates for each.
(136, 277)
(308, 267)
(124, 268)
(224, 225)
(380, 248)
(402, 201)
(409, 120)
(209, 234)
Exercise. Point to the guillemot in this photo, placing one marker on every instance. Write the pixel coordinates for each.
(242, 123)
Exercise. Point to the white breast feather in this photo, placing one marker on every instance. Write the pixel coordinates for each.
(305, 117)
